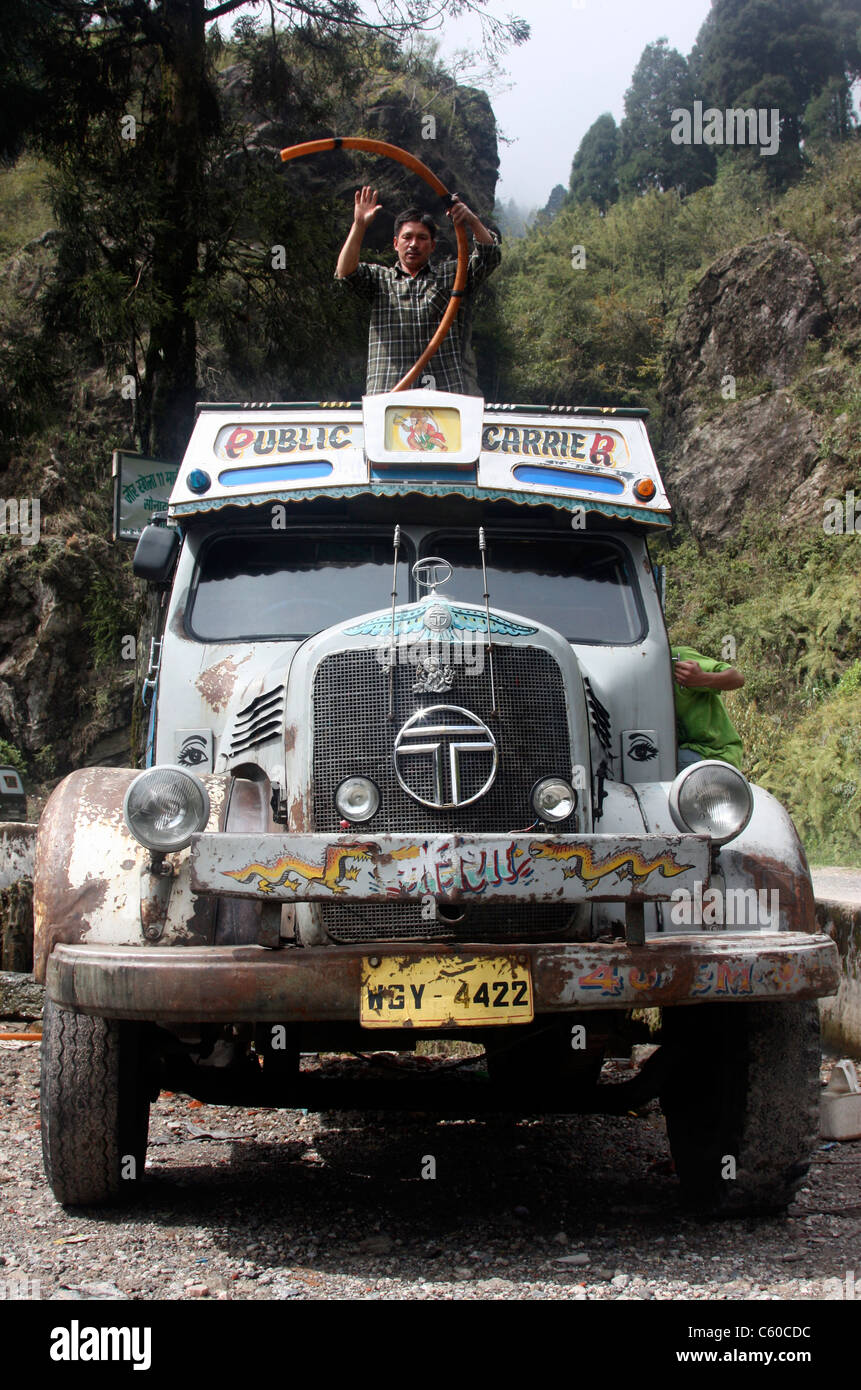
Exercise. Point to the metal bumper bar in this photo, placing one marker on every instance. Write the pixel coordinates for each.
(451, 868)
(232, 984)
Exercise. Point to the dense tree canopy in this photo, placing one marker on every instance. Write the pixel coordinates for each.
(594, 170)
(792, 60)
(781, 54)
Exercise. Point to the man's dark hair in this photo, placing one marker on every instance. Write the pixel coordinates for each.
(416, 215)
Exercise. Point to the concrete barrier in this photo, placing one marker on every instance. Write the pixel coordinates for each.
(841, 1015)
(17, 851)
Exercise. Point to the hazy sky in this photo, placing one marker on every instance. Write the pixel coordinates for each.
(577, 64)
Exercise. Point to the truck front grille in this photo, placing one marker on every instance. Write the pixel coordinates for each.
(353, 734)
(403, 922)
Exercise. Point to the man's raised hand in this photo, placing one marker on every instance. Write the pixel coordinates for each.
(460, 214)
(366, 207)
(365, 210)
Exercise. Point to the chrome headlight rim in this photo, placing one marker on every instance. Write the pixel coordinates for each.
(200, 820)
(542, 813)
(375, 799)
(696, 770)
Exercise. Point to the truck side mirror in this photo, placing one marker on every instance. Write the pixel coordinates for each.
(156, 554)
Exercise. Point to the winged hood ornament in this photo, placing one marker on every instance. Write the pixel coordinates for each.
(436, 616)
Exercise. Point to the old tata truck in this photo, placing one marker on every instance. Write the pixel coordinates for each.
(412, 774)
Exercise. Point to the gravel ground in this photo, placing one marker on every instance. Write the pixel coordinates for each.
(257, 1205)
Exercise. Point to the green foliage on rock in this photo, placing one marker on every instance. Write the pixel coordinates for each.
(817, 773)
(10, 756)
(110, 615)
(784, 606)
(589, 300)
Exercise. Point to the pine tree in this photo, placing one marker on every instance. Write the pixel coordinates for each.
(649, 159)
(594, 170)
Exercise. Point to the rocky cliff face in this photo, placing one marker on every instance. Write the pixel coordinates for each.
(452, 131)
(65, 692)
(747, 392)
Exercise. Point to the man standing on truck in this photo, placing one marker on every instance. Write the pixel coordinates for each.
(705, 730)
(409, 299)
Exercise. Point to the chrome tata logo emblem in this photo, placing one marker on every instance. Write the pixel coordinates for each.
(449, 750)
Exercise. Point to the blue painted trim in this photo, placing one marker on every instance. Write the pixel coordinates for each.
(275, 473)
(561, 477)
(150, 738)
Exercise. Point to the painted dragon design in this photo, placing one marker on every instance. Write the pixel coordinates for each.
(341, 864)
(628, 863)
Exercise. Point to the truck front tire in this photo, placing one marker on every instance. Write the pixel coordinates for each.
(741, 1102)
(95, 1107)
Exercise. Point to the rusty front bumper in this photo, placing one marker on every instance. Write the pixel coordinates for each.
(455, 868)
(232, 984)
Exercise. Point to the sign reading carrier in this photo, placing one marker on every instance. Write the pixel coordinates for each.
(453, 868)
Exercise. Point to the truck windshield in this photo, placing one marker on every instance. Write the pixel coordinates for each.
(290, 585)
(582, 587)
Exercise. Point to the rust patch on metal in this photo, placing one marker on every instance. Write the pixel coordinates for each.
(64, 916)
(200, 927)
(289, 738)
(795, 891)
(322, 984)
(216, 684)
(61, 912)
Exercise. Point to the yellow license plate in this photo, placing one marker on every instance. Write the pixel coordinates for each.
(438, 991)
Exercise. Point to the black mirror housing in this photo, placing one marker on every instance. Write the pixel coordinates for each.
(156, 554)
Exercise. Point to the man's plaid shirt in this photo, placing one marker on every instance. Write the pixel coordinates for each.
(406, 311)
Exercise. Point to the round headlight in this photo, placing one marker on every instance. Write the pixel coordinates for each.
(357, 798)
(711, 798)
(164, 806)
(553, 798)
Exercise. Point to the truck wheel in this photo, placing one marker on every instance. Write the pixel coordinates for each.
(95, 1107)
(741, 1101)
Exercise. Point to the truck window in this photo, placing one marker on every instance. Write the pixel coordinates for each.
(290, 585)
(584, 588)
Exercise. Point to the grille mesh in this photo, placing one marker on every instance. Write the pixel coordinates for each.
(352, 734)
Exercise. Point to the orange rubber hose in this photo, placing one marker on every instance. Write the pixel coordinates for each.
(409, 160)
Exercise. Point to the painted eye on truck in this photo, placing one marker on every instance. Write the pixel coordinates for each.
(642, 750)
(193, 751)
